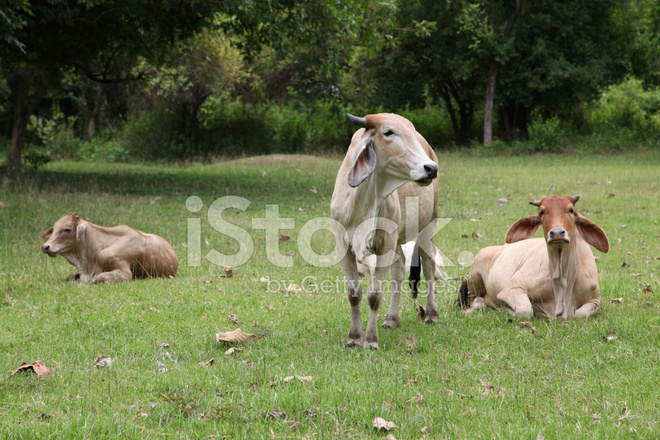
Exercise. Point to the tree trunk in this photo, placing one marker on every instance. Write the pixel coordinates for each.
(490, 96)
(20, 119)
(91, 127)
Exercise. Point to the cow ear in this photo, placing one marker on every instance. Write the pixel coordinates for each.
(523, 228)
(364, 162)
(47, 234)
(592, 234)
(80, 231)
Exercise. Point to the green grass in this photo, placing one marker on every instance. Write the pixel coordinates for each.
(479, 376)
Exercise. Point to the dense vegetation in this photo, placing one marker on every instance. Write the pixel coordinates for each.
(172, 79)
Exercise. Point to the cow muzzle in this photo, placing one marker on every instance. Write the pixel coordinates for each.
(431, 171)
(47, 249)
(558, 238)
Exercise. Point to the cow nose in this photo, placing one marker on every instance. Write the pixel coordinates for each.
(431, 170)
(45, 248)
(557, 233)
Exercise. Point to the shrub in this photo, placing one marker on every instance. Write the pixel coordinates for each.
(56, 136)
(545, 135)
(627, 111)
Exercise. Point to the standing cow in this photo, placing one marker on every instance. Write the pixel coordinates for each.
(384, 196)
(555, 275)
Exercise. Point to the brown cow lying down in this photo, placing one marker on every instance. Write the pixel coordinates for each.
(109, 254)
(555, 275)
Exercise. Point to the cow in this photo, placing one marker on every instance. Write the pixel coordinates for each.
(101, 254)
(384, 196)
(556, 275)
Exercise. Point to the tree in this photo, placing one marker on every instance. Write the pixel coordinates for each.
(310, 41)
(101, 39)
(516, 57)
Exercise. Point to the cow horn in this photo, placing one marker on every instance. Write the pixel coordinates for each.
(535, 203)
(575, 199)
(360, 122)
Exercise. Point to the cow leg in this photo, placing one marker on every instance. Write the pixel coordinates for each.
(398, 275)
(588, 309)
(517, 300)
(354, 290)
(428, 266)
(375, 297)
(112, 276)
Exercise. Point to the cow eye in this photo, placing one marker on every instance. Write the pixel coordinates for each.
(572, 211)
(67, 230)
(388, 133)
(541, 213)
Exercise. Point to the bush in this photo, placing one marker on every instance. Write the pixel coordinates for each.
(627, 112)
(545, 135)
(56, 135)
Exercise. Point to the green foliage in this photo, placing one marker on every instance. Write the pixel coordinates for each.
(628, 111)
(37, 157)
(56, 134)
(545, 135)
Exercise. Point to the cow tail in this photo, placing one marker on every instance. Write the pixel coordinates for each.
(462, 300)
(415, 271)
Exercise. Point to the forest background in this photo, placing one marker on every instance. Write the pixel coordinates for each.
(170, 80)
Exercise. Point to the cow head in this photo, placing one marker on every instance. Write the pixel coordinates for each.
(389, 143)
(64, 236)
(561, 224)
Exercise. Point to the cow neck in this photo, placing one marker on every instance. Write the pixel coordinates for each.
(369, 202)
(561, 261)
(92, 243)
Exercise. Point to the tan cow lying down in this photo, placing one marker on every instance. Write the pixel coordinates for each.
(555, 275)
(109, 254)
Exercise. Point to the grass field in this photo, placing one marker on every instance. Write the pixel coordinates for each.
(470, 376)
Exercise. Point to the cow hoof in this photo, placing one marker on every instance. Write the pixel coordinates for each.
(390, 324)
(352, 343)
(431, 320)
(372, 345)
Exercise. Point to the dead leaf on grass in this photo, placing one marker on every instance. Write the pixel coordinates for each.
(162, 368)
(625, 265)
(503, 201)
(616, 300)
(235, 319)
(417, 399)
(102, 361)
(161, 344)
(527, 324)
(540, 437)
(274, 415)
(426, 429)
(37, 367)
(610, 337)
(207, 363)
(380, 423)
(302, 379)
(229, 272)
(237, 336)
(390, 437)
(293, 288)
(284, 237)
(233, 350)
(410, 342)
